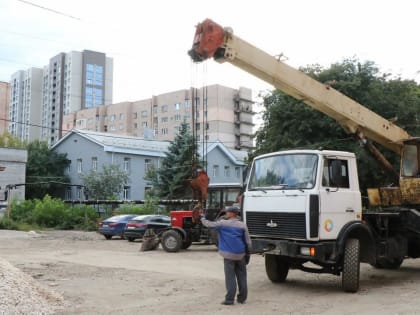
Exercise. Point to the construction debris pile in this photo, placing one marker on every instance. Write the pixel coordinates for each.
(22, 294)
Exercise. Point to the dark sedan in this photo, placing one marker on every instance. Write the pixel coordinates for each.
(114, 226)
(136, 227)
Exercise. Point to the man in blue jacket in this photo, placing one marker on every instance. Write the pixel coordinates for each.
(234, 247)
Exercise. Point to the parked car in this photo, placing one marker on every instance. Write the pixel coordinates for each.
(136, 227)
(114, 226)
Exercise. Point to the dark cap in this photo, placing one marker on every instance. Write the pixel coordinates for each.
(232, 209)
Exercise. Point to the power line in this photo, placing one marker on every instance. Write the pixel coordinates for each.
(50, 10)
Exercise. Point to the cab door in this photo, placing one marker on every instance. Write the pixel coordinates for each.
(340, 200)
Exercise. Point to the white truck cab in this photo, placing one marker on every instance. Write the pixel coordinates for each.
(302, 195)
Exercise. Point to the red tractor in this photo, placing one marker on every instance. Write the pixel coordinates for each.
(186, 227)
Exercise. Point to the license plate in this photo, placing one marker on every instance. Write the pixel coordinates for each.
(130, 227)
(105, 225)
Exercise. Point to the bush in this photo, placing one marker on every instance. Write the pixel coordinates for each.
(49, 212)
(22, 211)
(79, 217)
(150, 206)
(8, 224)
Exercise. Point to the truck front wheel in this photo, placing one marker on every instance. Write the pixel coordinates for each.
(351, 266)
(276, 268)
(171, 241)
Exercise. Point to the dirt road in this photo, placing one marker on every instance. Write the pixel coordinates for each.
(97, 276)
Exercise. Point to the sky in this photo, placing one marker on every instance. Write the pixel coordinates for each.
(149, 40)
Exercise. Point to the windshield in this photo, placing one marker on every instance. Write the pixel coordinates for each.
(286, 171)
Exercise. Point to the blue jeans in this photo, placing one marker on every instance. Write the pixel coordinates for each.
(235, 272)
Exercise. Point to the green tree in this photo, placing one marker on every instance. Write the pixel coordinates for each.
(44, 171)
(7, 140)
(171, 180)
(107, 184)
(289, 123)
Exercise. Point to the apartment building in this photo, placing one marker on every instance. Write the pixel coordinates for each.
(70, 82)
(25, 104)
(4, 106)
(221, 114)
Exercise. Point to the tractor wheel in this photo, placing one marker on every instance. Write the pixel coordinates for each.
(276, 267)
(186, 244)
(171, 241)
(351, 266)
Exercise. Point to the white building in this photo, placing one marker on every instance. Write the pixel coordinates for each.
(70, 82)
(25, 104)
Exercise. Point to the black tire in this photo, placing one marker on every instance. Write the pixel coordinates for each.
(351, 266)
(186, 244)
(276, 267)
(108, 237)
(129, 238)
(171, 241)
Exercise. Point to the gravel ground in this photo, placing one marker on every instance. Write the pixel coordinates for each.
(21, 293)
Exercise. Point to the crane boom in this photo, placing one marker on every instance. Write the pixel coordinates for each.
(212, 40)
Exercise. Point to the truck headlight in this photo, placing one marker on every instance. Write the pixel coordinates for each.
(307, 251)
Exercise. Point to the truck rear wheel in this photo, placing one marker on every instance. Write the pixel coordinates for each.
(276, 268)
(171, 241)
(351, 266)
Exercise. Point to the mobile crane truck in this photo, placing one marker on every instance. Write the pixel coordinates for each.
(303, 208)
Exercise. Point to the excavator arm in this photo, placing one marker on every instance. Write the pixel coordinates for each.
(213, 41)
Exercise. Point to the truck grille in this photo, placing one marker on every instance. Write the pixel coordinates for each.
(289, 225)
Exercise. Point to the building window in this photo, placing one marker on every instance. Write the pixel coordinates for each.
(79, 193)
(68, 193)
(126, 164)
(187, 103)
(126, 193)
(69, 168)
(227, 171)
(177, 117)
(79, 166)
(135, 115)
(164, 108)
(155, 109)
(177, 106)
(144, 124)
(143, 113)
(164, 119)
(135, 125)
(147, 164)
(122, 116)
(94, 74)
(215, 170)
(94, 164)
(237, 172)
(164, 131)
